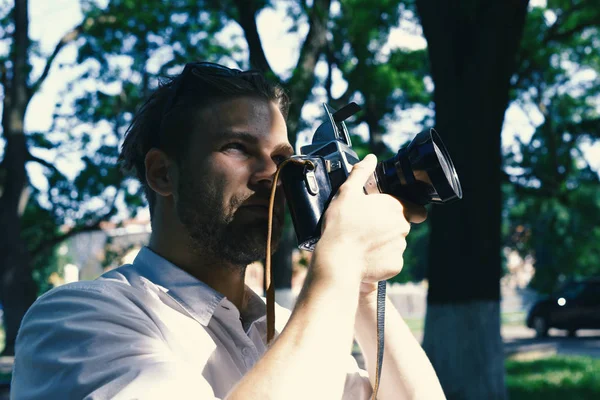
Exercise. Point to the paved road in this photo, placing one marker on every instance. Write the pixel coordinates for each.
(521, 339)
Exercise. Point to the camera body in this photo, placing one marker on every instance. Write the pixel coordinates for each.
(421, 173)
(309, 188)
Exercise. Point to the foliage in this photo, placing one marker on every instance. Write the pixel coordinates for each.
(125, 47)
(118, 47)
(123, 50)
(37, 223)
(387, 79)
(559, 377)
(553, 201)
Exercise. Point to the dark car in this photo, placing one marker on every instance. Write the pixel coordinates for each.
(575, 306)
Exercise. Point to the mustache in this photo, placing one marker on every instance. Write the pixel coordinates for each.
(260, 199)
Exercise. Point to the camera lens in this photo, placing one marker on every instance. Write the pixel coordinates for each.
(448, 168)
(422, 172)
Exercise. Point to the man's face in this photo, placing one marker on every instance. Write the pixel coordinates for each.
(225, 179)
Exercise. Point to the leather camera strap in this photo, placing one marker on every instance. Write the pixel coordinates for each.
(268, 271)
(270, 289)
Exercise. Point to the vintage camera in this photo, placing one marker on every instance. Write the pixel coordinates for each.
(421, 172)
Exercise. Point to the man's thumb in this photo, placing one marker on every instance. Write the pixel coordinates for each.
(361, 172)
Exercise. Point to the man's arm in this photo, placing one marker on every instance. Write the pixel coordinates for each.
(308, 359)
(407, 372)
(361, 239)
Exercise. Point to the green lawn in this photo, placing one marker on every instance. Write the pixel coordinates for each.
(557, 377)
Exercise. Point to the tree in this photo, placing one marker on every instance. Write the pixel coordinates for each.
(553, 193)
(17, 289)
(91, 119)
(472, 48)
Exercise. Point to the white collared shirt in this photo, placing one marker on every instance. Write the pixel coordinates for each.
(146, 330)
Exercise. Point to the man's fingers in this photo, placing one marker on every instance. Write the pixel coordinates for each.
(361, 172)
(414, 213)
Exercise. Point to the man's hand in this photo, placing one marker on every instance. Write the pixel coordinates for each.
(366, 233)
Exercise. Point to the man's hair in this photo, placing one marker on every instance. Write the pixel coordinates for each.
(155, 126)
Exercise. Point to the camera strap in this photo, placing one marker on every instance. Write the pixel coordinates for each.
(381, 286)
(270, 288)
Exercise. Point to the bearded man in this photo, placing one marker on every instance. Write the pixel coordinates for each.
(179, 322)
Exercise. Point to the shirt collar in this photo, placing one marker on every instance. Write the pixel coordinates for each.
(195, 296)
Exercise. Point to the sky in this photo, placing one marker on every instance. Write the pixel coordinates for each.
(49, 20)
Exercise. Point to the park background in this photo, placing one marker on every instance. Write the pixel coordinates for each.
(512, 87)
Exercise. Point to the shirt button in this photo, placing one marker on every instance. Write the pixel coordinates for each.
(247, 356)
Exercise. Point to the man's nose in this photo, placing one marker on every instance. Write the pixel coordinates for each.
(265, 172)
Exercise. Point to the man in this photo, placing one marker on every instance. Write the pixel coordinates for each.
(180, 322)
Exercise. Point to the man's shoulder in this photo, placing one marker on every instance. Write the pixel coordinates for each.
(87, 306)
(85, 323)
(112, 287)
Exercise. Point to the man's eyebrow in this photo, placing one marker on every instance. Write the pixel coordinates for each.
(284, 148)
(245, 136)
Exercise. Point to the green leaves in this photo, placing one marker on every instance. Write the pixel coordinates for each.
(40, 140)
(554, 207)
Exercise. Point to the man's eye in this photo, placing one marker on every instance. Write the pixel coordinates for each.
(235, 146)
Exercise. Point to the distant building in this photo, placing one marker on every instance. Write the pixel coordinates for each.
(93, 253)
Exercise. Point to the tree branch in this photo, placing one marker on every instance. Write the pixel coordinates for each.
(31, 157)
(344, 98)
(553, 34)
(330, 64)
(95, 226)
(594, 22)
(247, 19)
(302, 80)
(67, 38)
(48, 244)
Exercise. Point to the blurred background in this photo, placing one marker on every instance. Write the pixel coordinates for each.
(502, 287)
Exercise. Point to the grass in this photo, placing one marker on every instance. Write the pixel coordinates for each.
(556, 377)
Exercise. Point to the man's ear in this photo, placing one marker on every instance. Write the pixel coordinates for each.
(159, 172)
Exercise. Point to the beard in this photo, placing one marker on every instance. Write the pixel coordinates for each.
(218, 229)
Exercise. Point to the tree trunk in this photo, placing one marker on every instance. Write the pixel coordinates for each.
(463, 343)
(472, 47)
(18, 290)
(300, 86)
(373, 117)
